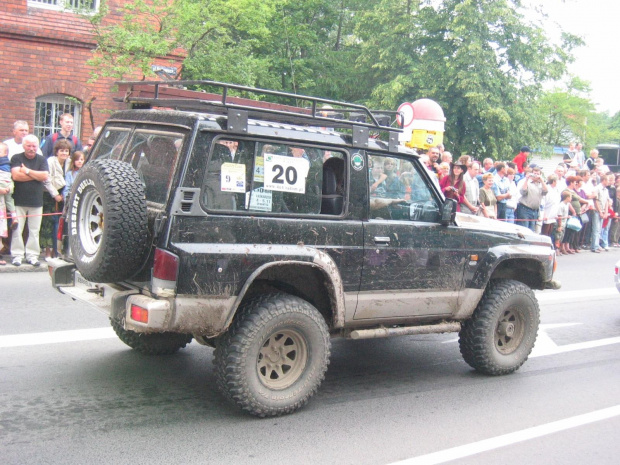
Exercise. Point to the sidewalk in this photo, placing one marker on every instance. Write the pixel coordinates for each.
(24, 268)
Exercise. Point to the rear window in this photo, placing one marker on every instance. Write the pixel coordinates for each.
(254, 176)
(153, 154)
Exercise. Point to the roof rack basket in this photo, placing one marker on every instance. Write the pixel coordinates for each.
(313, 111)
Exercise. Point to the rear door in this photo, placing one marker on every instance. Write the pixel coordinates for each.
(153, 150)
(413, 266)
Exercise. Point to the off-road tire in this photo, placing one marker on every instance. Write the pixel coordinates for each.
(274, 356)
(501, 333)
(152, 343)
(107, 221)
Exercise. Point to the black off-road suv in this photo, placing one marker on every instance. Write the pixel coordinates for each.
(263, 230)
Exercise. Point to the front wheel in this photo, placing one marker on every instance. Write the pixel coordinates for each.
(274, 356)
(501, 333)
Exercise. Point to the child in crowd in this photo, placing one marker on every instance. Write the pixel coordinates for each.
(7, 205)
(77, 160)
(563, 210)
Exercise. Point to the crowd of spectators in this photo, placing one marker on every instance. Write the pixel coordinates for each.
(577, 205)
(35, 179)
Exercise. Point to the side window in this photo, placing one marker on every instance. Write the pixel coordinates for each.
(110, 143)
(398, 191)
(273, 178)
(153, 155)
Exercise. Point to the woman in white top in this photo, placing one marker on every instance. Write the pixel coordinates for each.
(552, 202)
(53, 199)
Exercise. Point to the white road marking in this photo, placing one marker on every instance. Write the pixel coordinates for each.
(497, 442)
(549, 296)
(55, 337)
(545, 345)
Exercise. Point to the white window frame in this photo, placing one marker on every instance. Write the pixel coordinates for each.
(57, 103)
(64, 5)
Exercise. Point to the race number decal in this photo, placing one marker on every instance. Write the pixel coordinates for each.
(233, 177)
(286, 174)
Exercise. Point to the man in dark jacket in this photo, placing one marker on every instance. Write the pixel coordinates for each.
(65, 133)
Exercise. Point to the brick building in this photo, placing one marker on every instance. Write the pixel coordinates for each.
(44, 47)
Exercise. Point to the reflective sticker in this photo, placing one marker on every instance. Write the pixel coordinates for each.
(259, 169)
(233, 177)
(258, 200)
(286, 174)
(357, 162)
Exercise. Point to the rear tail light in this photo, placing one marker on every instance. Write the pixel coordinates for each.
(139, 314)
(166, 265)
(616, 271)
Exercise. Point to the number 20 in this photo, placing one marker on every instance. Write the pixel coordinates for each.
(290, 174)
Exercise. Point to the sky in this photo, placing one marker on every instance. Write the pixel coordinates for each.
(598, 23)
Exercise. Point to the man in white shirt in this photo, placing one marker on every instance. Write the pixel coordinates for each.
(472, 189)
(580, 157)
(560, 171)
(20, 130)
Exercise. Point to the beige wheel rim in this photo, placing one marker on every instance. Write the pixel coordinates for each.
(282, 359)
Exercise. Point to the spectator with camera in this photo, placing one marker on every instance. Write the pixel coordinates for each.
(532, 191)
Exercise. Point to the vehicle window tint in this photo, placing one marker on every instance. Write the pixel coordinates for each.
(110, 143)
(398, 191)
(153, 155)
(273, 178)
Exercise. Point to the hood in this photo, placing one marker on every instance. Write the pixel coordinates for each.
(467, 221)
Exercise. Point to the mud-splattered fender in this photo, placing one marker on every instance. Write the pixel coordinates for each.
(513, 258)
(317, 259)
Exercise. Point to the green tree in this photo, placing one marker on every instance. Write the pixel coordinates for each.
(217, 37)
(481, 60)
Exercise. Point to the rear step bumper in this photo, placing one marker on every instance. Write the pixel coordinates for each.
(112, 299)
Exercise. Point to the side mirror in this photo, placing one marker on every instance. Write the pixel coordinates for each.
(448, 212)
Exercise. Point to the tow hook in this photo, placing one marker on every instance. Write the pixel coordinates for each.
(96, 290)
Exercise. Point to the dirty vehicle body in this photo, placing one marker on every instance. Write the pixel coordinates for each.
(263, 234)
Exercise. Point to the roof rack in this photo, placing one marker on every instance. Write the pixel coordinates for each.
(315, 111)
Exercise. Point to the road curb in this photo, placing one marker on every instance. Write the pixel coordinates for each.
(24, 267)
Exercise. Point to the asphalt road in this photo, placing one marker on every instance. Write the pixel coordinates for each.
(412, 399)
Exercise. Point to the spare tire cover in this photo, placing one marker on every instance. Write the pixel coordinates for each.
(108, 223)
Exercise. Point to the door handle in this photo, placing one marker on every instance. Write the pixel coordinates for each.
(382, 240)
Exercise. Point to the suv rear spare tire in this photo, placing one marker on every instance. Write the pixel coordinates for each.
(108, 226)
(274, 356)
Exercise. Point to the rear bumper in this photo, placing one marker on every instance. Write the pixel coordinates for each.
(112, 299)
(180, 314)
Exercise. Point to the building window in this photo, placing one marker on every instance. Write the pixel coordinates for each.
(49, 108)
(86, 5)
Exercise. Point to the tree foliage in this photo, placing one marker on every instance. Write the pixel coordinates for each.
(483, 61)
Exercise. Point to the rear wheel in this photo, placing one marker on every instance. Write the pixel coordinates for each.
(501, 333)
(151, 343)
(274, 357)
